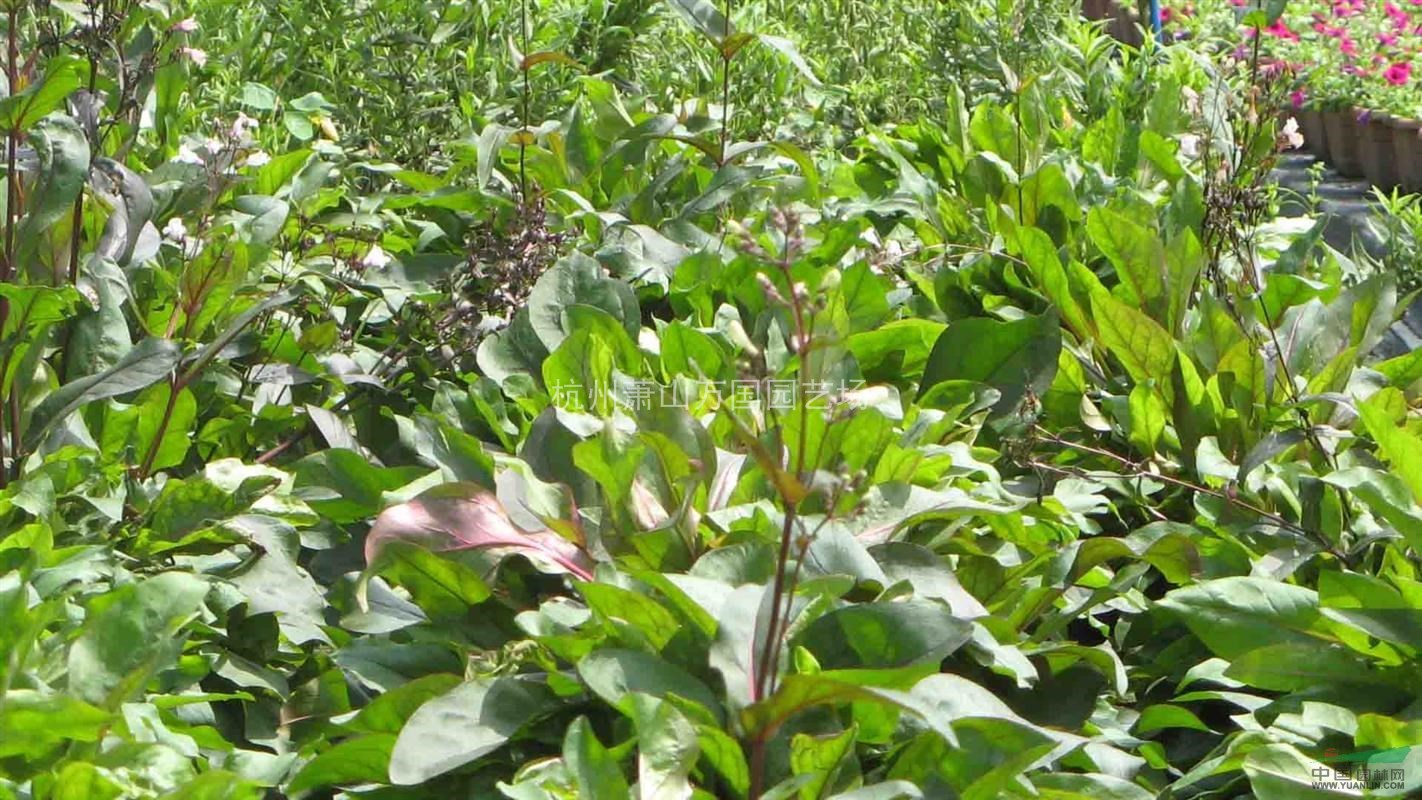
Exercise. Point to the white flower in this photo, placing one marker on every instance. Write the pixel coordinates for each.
(1290, 134)
(184, 26)
(198, 57)
(376, 258)
(186, 155)
(1190, 145)
(491, 324)
(1192, 100)
(256, 159)
(242, 125)
(175, 230)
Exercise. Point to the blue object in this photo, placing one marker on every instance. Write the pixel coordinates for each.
(1155, 25)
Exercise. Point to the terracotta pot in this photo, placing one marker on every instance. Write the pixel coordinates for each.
(1314, 132)
(1343, 136)
(1376, 152)
(1407, 151)
(1096, 9)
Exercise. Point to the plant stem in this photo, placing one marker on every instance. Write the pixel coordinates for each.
(1138, 471)
(725, 85)
(527, 92)
(174, 388)
(12, 201)
(782, 594)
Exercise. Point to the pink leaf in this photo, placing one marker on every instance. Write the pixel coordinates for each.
(464, 516)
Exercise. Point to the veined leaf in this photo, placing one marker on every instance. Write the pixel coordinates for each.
(1143, 347)
(464, 516)
(1013, 357)
(147, 363)
(704, 18)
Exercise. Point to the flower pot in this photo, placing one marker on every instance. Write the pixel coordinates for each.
(1343, 134)
(1315, 135)
(1407, 151)
(1376, 152)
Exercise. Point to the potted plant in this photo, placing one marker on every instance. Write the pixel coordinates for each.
(1344, 135)
(1407, 151)
(1310, 118)
(1375, 150)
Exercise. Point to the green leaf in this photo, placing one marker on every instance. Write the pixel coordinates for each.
(902, 347)
(884, 635)
(787, 50)
(442, 588)
(343, 486)
(1164, 716)
(80, 780)
(1144, 348)
(1148, 418)
(132, 632)
(63, 75)
(177, 434)
(819, 757)
(33, 723)
(1074, 786)
(594, 769)
(1138, 255)
(1233, 616)
(258, 97)
(798, 692)
(1280, 772)
(578, 279)
(1291, 666)
(234, 328)
(667, 750)
(1167, 546)
(464, 724)
(63, 152)
(361, 760)
(687, 351)
(615, 675)
(133, 209)
(1400, 448)
(1013, 357)
(704, 18)
(888, 790)
(388, 712)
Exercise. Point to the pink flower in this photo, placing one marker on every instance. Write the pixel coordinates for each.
(1348, 46)
(1387, 39)
(1281, 30)
(1297, 97)
(198, 57)
(1399, 73)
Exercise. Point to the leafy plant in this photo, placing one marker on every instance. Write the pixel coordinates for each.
(699, 422)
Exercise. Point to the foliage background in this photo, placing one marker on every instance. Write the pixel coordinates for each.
(330, 469)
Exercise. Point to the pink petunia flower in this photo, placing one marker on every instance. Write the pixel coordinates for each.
(1297, 97)
(1281, 30)
(1398, 74)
